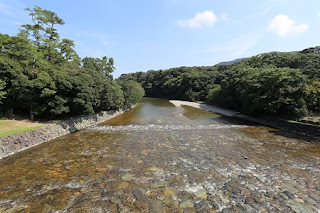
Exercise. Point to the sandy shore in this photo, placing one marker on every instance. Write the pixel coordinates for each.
(297, 128)
(206, 107)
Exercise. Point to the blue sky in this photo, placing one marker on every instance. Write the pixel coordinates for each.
(158, 34)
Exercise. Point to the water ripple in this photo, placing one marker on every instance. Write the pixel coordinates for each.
(163, 127)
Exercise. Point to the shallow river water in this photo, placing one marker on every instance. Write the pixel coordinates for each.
(162, 158)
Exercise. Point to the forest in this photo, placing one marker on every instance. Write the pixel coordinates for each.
(285, 84)
(42, 75)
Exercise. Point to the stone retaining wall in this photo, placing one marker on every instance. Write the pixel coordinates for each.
(16, 143)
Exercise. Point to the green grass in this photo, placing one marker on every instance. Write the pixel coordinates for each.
(2, 122)
(15, 131)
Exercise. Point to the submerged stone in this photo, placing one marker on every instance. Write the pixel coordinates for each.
(123, 185)
(298, 207)
(186, 204)
(198, 191)
(127, 177)
(139, 194)
(160, 184)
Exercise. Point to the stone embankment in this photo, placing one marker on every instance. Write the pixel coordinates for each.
(16, 143)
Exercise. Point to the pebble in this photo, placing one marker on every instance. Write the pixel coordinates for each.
(139, 194)
(123, 185)
(298, 207)
(186, 204)
(127, 177)
(160, 184)
(227, 210)
(155, 206)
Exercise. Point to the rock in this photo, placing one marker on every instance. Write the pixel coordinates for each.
(104, 193)
(123, 185)
(278, 197)
(170, 192)
(200, 205)
(142, 206)
(269, 195)
(155, 169)
(186, 204)
(139, 195)
(160, 184)
(154, 206)
(239, 208)
(289, 194)
(201, 195)
(215, 205)
(198, 191)
(314, 197)
(127, 177)
(298, 207)
(227, 210)
(283, 195)
(249, 200)
(171, 203)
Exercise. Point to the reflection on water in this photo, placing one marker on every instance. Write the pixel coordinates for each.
(162, 112)
(162, 158)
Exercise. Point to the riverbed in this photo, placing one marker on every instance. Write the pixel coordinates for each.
(159, 157)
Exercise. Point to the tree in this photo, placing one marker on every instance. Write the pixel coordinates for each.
(112, 96)
(273, 91)
(26, 74)
(313, 96)
(43, 75)
(44, 32)
(132, 91)
(2, 93)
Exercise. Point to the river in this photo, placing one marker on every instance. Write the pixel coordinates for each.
(161, 158)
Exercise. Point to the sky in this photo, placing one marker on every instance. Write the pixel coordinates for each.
(159, 34)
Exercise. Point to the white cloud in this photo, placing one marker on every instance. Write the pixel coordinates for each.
(283, 26)
(200, 20)
(319, 13)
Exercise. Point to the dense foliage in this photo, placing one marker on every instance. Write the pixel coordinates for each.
(41, 74)
(185, 83)
(284, 84)
(132, 91)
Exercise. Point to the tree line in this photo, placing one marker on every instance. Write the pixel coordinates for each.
(280, 84)
(42, 75)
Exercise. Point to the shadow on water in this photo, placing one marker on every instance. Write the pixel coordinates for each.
(196, 114)
(159, 102)
(234, 121)
(295, 136)
(272, 134)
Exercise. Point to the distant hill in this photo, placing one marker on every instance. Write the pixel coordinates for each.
(231, 62)
(311, 50)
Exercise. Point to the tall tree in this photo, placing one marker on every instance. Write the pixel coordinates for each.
(44, 31)
(2, 92)
(26, 74)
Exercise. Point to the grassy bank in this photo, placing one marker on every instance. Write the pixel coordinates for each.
(11, 127)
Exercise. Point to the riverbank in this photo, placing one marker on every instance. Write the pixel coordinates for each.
(13, 144)
(12, 126)
(284, 125)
